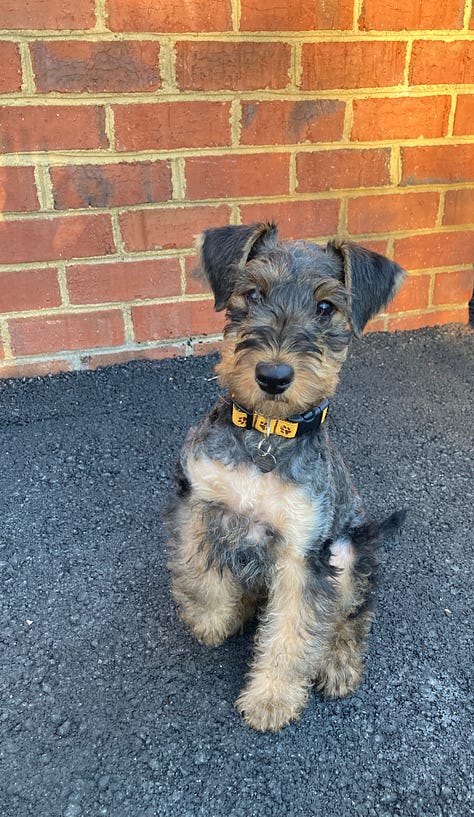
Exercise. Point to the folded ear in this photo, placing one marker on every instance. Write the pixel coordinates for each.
(225, 250)
(371, 279)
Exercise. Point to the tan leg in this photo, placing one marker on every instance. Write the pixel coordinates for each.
(287, 641)
(341, 665)
(212, 604)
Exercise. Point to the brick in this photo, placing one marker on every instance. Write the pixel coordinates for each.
(206, 347)
(47, 334)
(110, 185)
(99, 361)
(464, 116)
(298, 15)
(42, 14)
(414, 294)
(459, 207)
(169, 229)
(176, 320)
(338, 169)
(392, 212)
(196, 284)
(296, 219)
(444, 164)
(432, 318)
(443, 249)
(435, 62)
(10, 80)
(17, 190)
(35, 368)
(21, 290)
(248, 66)
(171, 125)
(375, 325)
(55, 127)
(454, 287)
(384, 15)
(235, 176)
(50, 239)
(76, 66)
(168, 15)
(123, 281)
(377, 245)
(285, 123)
(352, 65)
(400, 118)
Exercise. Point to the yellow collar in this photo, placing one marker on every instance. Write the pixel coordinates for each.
(292, 427)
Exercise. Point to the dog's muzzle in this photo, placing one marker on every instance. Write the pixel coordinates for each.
(274, 378)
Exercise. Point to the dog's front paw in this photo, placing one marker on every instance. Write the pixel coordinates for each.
(205, 629)
(269, 710)
(339, 680)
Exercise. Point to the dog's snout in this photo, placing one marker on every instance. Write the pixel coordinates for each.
(273, 378)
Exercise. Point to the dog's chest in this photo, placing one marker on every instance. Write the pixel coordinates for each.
(263, 498)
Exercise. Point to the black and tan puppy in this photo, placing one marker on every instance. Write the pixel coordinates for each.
(265, 515)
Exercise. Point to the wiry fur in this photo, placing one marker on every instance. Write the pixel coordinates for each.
(294, 539)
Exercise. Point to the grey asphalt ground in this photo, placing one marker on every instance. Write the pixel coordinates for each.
(109, 707)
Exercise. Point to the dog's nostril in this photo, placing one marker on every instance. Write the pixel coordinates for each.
(273, 378)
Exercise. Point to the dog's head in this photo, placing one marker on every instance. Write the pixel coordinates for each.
(292, 307)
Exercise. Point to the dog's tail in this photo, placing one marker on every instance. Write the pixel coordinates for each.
(372, 534)
(391, 524)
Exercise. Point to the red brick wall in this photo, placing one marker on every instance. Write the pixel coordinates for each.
(128, 126)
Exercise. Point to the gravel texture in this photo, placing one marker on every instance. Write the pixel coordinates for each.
(108, 705)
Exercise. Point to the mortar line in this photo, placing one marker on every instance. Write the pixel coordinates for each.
(167, 65)
(293, 174)
(467, 16)
(105, 306)
(431, 290)
(100, 15)
(110, 127)
(348, 121)
(75, 156)
(236, 11)
(6, 340)
(342, 224)
(44, 187)
(63, 288)
(235, 122)
(328, 35)
(406, 71)
(297, 64)
(168, 95)
(28, 85)
(182, 268)
(128, 324)
(452, 114)
(283, 198)
(357, 12)
(178, 179)
(395, 166)
(441, 206)
(117, 234)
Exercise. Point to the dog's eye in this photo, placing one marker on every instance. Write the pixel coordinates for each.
(253, 296)
(324, 309)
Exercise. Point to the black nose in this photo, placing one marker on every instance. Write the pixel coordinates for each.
(273, 378)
